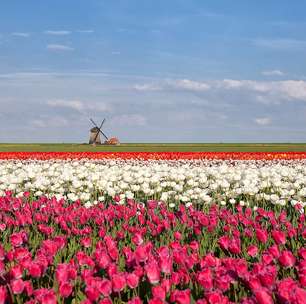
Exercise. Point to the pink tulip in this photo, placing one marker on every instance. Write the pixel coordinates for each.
(86, 242)
(224, 242)
(153, 273)
(3, 294)
(35, 270)
(105, 287)
(119, 282)
(262, 235)
(135, 300)
(159, 292)
(263, 297)
(132, 280)
(137, 239)
(252, 250)
(279, 237)
(205, 278)
(17, 286)
(28, 287)
(287, 259)
(105, 301)
(16, 272)
(16, 239)
(274, 251)
(45, 296)
(65, 290)
(180, 296)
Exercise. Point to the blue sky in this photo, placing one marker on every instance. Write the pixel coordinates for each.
(159, 71)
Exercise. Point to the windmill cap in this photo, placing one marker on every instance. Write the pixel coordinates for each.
(94, 129)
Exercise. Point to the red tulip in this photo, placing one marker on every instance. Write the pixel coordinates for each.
(135, 300)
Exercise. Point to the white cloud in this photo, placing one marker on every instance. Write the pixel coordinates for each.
(59, 47)
(58, 33)
(78, 105)
(21, 34)
(263, 121)
(288, 89)
(282, 90)
(273, 73)
(170, 84)
(116, 53)
(295, 89)
(186, 84)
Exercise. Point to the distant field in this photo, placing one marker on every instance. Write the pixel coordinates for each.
(158, 147)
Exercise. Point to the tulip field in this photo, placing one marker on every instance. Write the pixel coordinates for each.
(152, 227)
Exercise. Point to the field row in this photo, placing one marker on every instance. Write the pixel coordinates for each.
(155, 155)
(152, 228)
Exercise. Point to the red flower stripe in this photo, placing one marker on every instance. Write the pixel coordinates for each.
(155, 155)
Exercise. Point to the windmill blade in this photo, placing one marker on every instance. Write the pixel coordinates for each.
(94, 123)
(104, 135)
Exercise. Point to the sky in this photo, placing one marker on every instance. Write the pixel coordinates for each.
(157, 70)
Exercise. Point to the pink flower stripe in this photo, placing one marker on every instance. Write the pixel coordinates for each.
(55, 252)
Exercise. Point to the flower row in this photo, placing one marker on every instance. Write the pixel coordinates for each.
(58, 252)
(199, 182)
(155, 155)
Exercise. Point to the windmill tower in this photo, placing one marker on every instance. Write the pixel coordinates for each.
(94, 136)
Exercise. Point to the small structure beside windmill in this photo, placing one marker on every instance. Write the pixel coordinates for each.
(95, 137)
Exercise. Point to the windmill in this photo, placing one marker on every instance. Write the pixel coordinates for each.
(95, 138)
